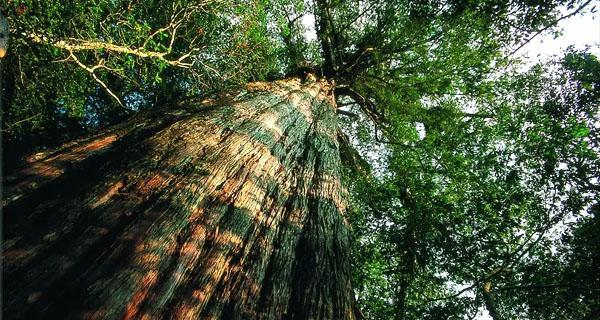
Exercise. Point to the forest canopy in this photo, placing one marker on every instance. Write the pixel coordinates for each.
(473, 180)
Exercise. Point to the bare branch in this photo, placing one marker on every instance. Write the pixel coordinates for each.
(455, 294)
(553, 24)
(21, 121)
(93, 74)
(346, 113)
(548, 286)
(75, 45)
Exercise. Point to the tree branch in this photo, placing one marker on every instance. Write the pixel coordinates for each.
(75, 45)
(490, 302)
(21, 121)
(548, 286)
(93, 74)
(553, 24)
(346, 113)
(324, 34)
(365, 104)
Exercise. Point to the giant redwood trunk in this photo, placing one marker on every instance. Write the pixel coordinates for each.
(227, 208)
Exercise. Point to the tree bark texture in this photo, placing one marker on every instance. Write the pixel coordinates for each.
(227, 208)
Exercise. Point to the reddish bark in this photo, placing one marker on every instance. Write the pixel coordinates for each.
(226, 209)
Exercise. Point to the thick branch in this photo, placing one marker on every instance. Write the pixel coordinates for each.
(370, 111)
(350, 156)
(75, 45)
(365, 104)
(346, 113)
(325, 34)
(490, 303)
(363, 57)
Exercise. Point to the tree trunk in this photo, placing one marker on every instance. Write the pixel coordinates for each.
(490, 304)
(229, 208)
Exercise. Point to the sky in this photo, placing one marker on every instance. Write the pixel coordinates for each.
(579, 31)
(308, 21)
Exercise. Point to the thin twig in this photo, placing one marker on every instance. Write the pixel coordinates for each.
(93, 74)
(553, 24)
(546, 286)
(21, 121)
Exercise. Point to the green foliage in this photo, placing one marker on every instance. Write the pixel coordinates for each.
(488, 197)
(49, 97)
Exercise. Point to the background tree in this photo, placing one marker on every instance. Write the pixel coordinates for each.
(484, 212)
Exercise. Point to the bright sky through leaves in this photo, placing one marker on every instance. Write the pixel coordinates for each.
(580, 31)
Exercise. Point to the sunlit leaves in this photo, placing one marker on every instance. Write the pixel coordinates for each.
(491, 188)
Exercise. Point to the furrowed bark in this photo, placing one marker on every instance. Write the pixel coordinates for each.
(227, 209)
